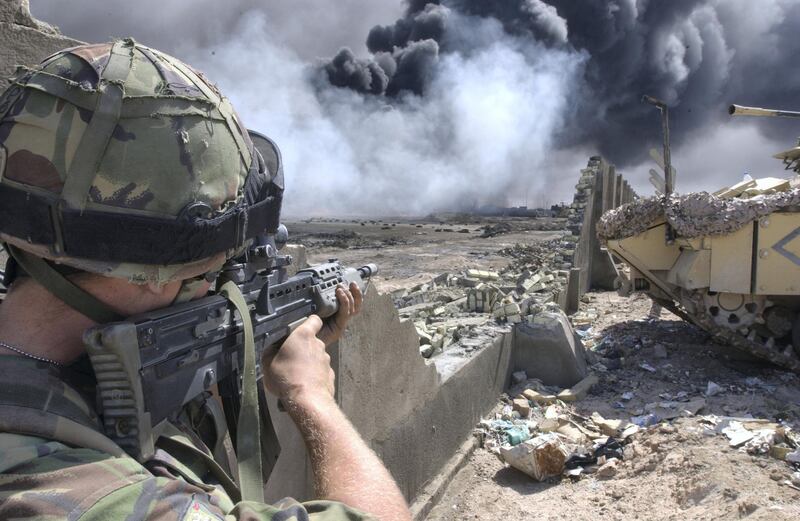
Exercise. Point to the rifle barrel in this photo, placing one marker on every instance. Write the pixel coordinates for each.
(739, 110)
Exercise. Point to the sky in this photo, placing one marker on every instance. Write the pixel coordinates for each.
(404, 108)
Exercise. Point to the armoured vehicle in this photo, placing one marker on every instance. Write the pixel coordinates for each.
(727, 261)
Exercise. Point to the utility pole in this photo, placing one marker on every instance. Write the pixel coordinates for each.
(669, 178)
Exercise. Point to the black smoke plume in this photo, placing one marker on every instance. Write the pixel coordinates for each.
(697, 55)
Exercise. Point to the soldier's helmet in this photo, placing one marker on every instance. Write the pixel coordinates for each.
(121, 160)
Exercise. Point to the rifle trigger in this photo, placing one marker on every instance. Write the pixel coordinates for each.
(297, 323)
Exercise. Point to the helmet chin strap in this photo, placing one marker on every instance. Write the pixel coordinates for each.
(190, 287)
(64, 289)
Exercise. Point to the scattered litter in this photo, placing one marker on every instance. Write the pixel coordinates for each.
(647, 367)
(645, 420)
(541, 457)
(793, 457)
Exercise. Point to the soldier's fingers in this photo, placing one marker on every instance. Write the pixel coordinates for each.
(311, 326)
(344, 304)
(358, 297)
(351, 301)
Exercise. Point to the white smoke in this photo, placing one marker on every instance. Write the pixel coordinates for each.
(483, 130)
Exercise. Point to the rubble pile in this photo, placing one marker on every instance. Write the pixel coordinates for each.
(756, 436)
(344, 240)
(539, 433)
(468, 308)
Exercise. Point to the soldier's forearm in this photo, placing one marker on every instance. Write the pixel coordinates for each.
(345, 469)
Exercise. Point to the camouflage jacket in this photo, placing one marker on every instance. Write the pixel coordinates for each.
(55, 463)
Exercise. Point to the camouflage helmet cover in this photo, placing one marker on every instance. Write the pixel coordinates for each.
(124, 137)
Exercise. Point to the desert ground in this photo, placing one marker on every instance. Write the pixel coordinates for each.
(676, 469)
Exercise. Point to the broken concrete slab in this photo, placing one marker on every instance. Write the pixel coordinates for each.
(483, 275)
(522, 406)
(541, 399)
(609, 427)
(549, 350)
(579, 390)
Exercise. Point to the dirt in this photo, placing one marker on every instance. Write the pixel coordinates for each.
(672, 470)
(413, 252)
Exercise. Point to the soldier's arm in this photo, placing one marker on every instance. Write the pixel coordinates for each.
(345, 469)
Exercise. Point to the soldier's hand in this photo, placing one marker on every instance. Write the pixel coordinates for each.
(301, 368)
(350, 302)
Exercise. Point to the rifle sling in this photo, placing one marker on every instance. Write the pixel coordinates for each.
(248, 430)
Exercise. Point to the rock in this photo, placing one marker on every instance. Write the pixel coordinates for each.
(609, 469)
(793, 457)
(572, 433)
(628, 453)
(629, 431)
(660, 351)
(424, 337)
(551, 421)
(483, 275)
(779, 452)
(579, 390)
(426, 350)
(522, 406)
(713, 389)
(542, 399)
(541, 457)
(468, 282)
(609, 427)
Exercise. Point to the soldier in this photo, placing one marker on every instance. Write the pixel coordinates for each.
(108, 155)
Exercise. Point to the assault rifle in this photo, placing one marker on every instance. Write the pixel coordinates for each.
(151, 365)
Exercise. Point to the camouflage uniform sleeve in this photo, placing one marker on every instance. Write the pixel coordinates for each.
(291, 510)
(42, 480)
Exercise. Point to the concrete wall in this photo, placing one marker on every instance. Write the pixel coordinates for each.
(599, 189)
(414, 413)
